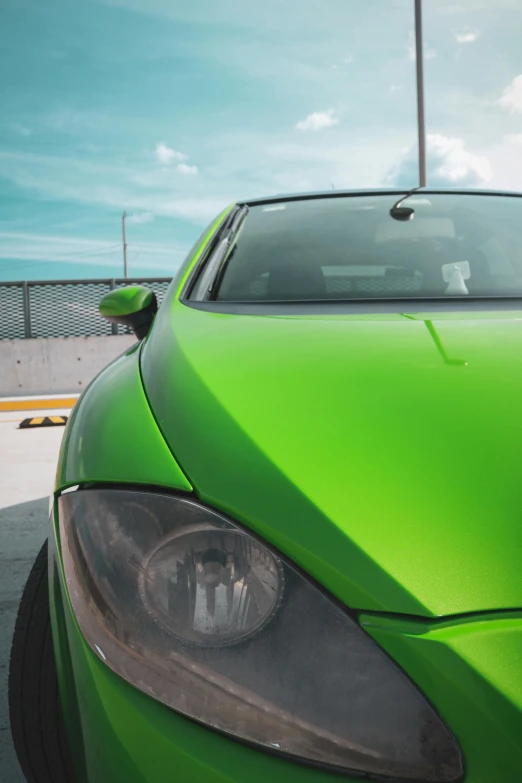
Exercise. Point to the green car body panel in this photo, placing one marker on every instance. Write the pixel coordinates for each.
(280, 422)
(125, 301)
(403, 511)
(112, 436)
(469, 668)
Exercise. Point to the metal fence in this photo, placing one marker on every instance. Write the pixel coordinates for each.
(62, 308)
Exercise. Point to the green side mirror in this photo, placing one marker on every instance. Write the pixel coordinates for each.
(133, 305)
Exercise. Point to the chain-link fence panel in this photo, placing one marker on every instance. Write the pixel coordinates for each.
(12, 321)
(67, 308)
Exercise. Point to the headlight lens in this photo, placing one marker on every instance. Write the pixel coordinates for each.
(200, 615)
(211, 587)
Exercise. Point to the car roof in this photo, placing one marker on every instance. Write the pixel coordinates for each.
(374, 192)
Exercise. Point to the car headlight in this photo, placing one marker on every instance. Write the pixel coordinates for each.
(199, 614)
(210, 586)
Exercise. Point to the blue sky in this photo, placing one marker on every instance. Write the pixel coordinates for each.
(171, 110)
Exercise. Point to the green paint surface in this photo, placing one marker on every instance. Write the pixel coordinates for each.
(112, 436)
(125, 301)
(471, 670)
(387, 471)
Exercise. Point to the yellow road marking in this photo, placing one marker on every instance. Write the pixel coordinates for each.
(23, 405)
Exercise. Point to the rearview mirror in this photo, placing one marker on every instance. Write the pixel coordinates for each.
(132, 305)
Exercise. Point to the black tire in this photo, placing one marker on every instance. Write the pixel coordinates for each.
(37, 723)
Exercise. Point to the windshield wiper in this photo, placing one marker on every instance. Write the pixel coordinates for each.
(223, 255)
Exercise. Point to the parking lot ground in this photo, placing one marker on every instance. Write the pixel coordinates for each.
(27, 469)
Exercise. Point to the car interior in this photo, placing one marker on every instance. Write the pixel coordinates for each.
(370, 256)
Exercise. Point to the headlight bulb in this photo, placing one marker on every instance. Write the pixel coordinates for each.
(211, 587)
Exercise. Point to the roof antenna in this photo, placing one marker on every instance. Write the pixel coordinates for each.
(407, 213)
(404, 213)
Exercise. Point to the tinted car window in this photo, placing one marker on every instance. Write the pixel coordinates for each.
(351, 248)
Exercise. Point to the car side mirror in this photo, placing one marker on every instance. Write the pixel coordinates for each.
(132, 305)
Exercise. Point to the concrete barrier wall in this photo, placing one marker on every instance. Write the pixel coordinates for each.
(59, 364)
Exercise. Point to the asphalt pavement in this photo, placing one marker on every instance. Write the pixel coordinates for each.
(27, 468)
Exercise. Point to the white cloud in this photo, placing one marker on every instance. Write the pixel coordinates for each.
(513, 138)
(466, 36)
(506, 161)
(25, 246)
(345, 61)
(429, 53)
(167, 155)
(184, 168)
(139, 189)
(237, 163)
(512, 96)
(449, 164)
(318, 120)
(395, 88)
(140, 217)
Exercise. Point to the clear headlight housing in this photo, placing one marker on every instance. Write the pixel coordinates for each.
(202, 616)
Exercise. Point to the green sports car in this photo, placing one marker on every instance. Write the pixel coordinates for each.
(286, 538)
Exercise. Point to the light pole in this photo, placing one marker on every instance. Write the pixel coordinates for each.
(421, 123)
(124, 237)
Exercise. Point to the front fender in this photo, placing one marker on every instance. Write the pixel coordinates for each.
(112, 435)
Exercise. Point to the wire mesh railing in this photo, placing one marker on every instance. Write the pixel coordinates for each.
(62, 308)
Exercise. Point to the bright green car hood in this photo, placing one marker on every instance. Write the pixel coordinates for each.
(357, 445)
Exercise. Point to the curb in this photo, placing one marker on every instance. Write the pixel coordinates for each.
(43, 421)
(37, 403)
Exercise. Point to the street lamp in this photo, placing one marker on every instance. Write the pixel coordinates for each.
(421, 124)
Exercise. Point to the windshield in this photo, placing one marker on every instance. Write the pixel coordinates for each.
(350, 247)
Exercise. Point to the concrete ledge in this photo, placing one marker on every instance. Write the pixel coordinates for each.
(60, 365)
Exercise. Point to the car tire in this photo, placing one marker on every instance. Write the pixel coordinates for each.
(37, 723)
